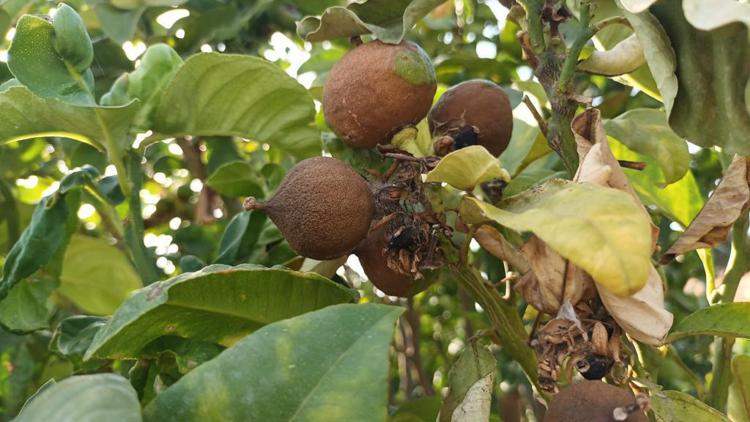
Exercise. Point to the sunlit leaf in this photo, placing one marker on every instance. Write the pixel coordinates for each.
(674, 406)
(26, 116)
(709, 15)
(85, 398)
(326, 365)
(645, 131)
(227, 94)
(35, 63)
(726, 319)
(219, 303)
(625, 57)
(599, 229)
(387, 20)
(467, 167)
(96, 276)
(236, 179)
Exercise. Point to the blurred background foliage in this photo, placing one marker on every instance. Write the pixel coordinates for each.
(188, 201)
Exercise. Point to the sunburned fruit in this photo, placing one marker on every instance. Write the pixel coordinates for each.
(376, 89)
(594, 401)
(372, 255)
(323, 208)
(475, 112)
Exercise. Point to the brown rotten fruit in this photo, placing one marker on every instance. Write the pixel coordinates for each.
(594, 401)
(322, 207)
(475, 112)
(376, 89)
(372, 255)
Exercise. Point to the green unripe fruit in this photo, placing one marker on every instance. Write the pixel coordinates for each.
(592, 401)
(72, 42)
(475, 112)
(377, 89)
(322, 207)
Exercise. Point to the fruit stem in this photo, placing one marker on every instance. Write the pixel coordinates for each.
(253, 204)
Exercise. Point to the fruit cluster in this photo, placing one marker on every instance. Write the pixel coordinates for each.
(325, 209)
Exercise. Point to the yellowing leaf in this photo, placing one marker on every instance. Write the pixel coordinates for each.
(468, 167)
(739, 391)
(641, 315)
(96, 276)
(600, 230)
(625, 57)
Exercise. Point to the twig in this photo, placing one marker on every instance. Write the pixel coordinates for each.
(537, 116)
(635, 165)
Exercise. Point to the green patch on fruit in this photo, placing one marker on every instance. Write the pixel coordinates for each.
(414, 67)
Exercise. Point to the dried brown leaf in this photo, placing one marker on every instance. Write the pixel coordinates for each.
(713, 223)
(493, 242)
(552, 278)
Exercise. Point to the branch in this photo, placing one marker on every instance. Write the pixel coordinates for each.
(536, 29)
(722, 347)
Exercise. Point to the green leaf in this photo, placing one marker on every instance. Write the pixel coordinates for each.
(35, 63)
(146, 83)
(526, 145)
(74, 335)
(219, 303)
(118, 24)
(96, 276)
(326, 365)
(713, 70)
(44, 237)
(470, 381)
(387, 20)
(239, 237)
(467, 167)
(28, 306)
(659, 54)
(423, 409)
(71, 41)
(681, 201)
(27, 116)
(726, 319)
(599, 229)
(739, 390)
(227, 94)
(236, 179)
(645, 131)
(85, 398)
(674, 406)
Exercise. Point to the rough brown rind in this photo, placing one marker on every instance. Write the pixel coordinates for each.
(322, 207)
(371, 254)
(591, 401)
(366, 102)
(476, 103)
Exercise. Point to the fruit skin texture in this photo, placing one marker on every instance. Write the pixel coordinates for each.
(475, 103)
(322, 207)
(590, 401)
(373, 259)
(376, 89)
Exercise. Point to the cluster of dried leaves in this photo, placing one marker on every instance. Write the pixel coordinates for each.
(588, 319)
(413, 230)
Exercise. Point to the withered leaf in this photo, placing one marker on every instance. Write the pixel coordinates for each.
(713, 223)
(642, 315)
